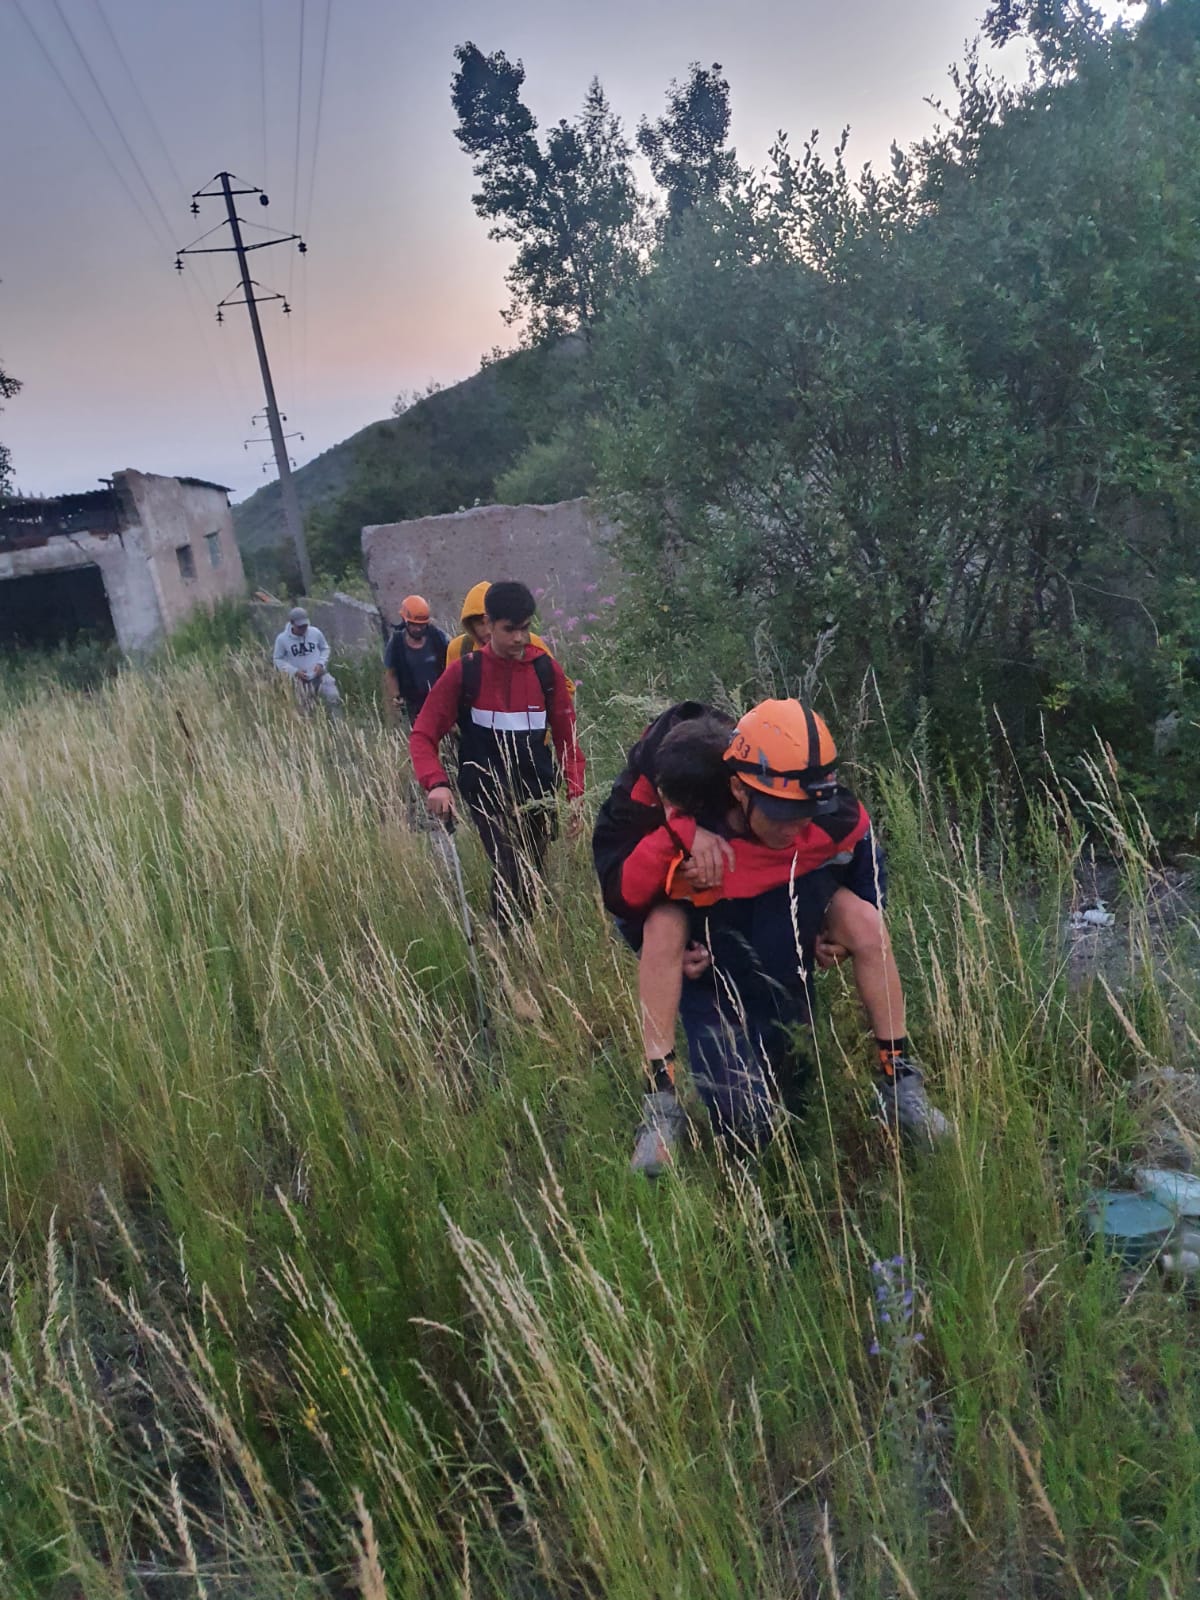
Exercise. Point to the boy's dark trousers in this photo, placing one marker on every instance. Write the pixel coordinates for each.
(743, 1018)
(516, 837)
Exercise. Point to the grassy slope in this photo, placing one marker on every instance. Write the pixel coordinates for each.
(309, 1296)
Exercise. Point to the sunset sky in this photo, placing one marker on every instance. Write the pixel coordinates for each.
(123, 363)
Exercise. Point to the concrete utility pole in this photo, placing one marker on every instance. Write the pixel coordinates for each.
(287, 488)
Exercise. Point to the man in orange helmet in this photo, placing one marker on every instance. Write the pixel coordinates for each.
(802, 886)
(415, 657)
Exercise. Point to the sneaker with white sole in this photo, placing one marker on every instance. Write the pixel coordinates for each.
(904, 1107)
(664, 1120)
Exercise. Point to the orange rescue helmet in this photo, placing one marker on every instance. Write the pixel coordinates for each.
(414, 609)
(784, 752)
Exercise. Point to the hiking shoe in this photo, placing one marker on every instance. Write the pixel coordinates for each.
(663, 1122)
(905, 1108)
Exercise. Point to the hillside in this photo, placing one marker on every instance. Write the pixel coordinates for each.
(449, 449)
(258, 520)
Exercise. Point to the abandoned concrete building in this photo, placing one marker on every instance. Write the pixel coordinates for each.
(127, 562)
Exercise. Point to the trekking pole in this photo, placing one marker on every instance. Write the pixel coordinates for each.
(468, 928)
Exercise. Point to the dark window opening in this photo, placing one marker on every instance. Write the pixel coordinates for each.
(186, 559)
(213, 541)
(53, 608)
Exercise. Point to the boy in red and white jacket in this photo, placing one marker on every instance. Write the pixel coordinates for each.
(503, 699)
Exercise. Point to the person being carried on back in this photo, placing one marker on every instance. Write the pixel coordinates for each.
(798, 882)
(503, 697)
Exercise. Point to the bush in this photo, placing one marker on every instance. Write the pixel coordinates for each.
(213, 632)
(950, 412)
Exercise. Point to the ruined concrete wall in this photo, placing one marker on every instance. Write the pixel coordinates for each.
(168, 516)
(132, 597)
(561, 549)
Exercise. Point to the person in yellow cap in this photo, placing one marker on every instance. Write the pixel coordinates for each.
(415, 657)
(477, 631)
(476, 628)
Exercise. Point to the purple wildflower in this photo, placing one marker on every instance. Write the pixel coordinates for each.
(895, 1298)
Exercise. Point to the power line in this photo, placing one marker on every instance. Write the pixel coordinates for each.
(219, 361)
(87, 121)
(262, 84)
(316, 144)
(125, 184)
(299, 111)
(113, 117)
(308, 204)
(139, 97)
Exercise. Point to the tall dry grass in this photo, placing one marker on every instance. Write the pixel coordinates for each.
(312, 1291)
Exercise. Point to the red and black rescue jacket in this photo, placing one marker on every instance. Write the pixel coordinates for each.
(636, 847)
(502, 713)
(649, 872)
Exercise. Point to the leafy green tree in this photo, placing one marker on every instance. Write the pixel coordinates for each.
(8, 388)
(687, 147)
(569, 202)
(1062, 32)
(949, 410)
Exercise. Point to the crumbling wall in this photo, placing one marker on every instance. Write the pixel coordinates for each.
(563, 549)
(170, 515)
(132, 598)
(134, 533)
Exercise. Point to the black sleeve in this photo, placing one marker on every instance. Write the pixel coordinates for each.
(389, 655)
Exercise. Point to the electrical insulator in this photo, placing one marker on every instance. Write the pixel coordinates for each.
(195, 208)
(287, 310)
(178, 263)
(302, 247)
(220, 315)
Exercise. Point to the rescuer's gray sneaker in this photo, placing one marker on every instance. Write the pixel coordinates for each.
(664, 1120)
(906, 1109)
